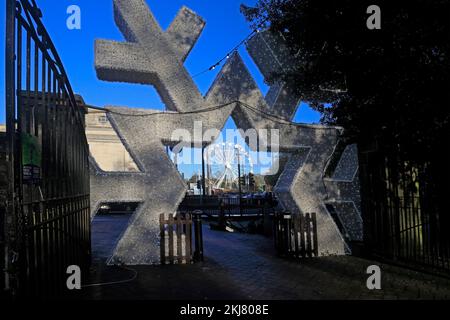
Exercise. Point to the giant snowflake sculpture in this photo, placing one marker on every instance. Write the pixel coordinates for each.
(155, 57)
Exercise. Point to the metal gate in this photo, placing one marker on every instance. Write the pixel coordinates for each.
(403, 218)
(48, 212)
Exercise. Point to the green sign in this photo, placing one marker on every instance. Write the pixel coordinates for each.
(31, 158)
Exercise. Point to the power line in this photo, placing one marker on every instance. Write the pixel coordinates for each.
(267, 115)
(203, 110)
(235, 49)
(228, 55)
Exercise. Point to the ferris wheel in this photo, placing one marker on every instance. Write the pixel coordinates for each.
(224, 162)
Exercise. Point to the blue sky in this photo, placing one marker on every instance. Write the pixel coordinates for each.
(224, 29)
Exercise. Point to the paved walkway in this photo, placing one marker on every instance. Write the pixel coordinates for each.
(241, 266)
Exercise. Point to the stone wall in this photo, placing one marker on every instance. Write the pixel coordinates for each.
(105, 146)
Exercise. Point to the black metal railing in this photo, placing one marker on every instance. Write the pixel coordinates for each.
(213, 206)
(403, 218)
(48, 156)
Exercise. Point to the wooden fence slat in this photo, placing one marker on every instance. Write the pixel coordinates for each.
(188, 238)
(279, 236)
(289, 235)
(275, 233)
(301, 221)
(308, 235)
(284, 234)
(170, 228)
(179, 246)
(162, 229)
(296, 234)
(315, 239)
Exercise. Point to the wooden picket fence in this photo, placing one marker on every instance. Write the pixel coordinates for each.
(296, 235)
(176, 239)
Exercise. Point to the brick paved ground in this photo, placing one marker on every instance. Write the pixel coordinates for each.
(240, 266)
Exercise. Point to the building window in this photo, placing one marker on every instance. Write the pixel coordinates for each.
(102, 119)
